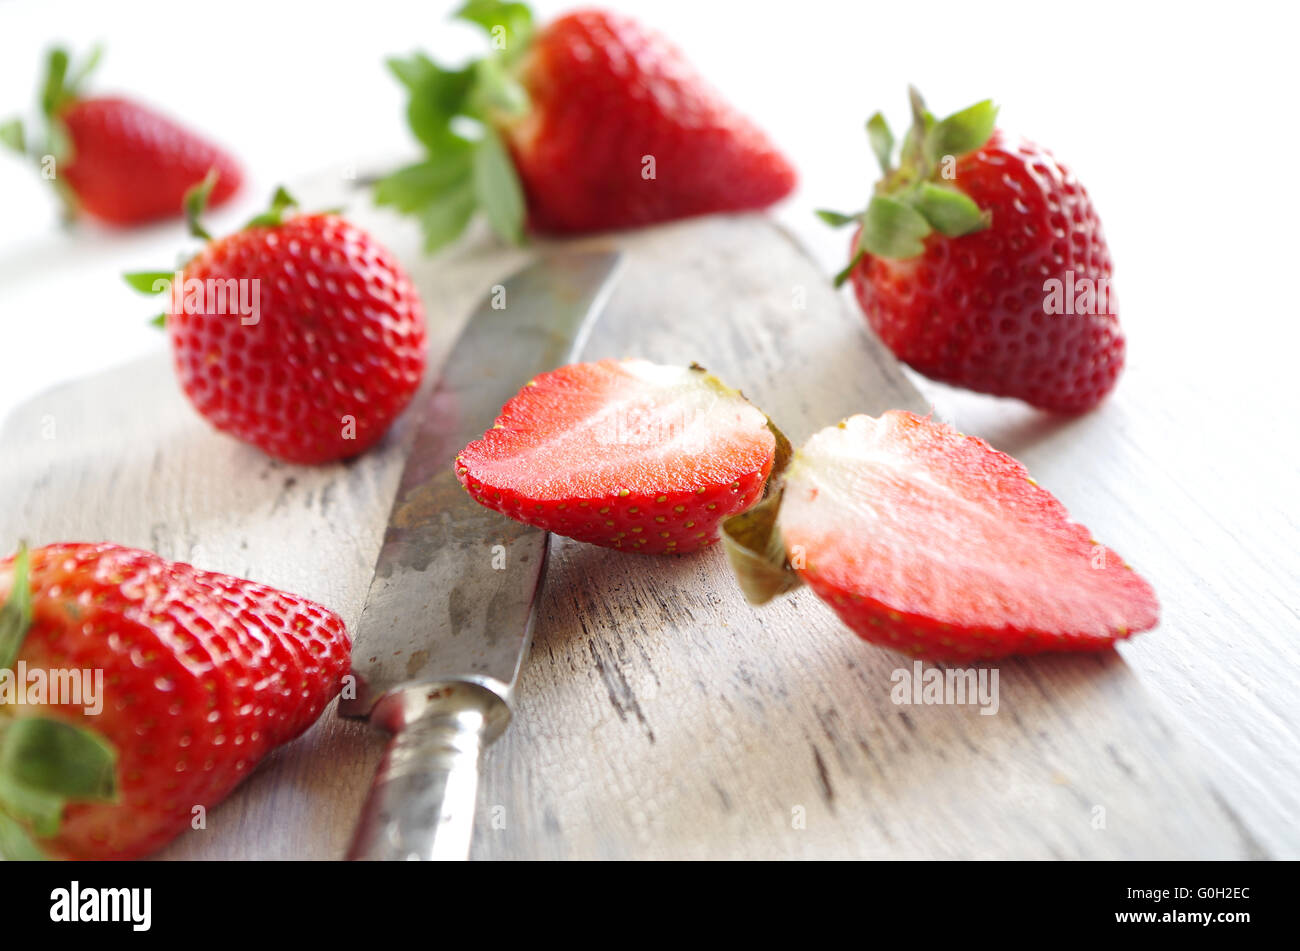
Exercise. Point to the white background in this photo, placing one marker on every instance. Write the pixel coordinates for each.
(1179, 118)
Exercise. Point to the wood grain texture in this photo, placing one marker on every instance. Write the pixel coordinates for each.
(658, 715)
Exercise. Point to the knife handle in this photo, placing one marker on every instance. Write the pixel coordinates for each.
(422, 801)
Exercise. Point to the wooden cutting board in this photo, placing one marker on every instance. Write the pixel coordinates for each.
(658, 715)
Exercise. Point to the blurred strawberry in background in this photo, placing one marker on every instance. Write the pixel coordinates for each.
(113, 158)
(592, 122)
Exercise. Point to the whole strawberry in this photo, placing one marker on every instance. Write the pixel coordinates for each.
(592, 122)
(187, 679)
(981, 262)
(299, 334)
(930, 542)
(626, 454)
(115, 159)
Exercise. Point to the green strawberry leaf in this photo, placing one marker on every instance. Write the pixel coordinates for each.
(413, 187)
(949, 211)
(54, 92)
(87, 67)
(496, 93)
(443, 219)
(893, 229)
(836, 219)
(961, 132)
(59, 144)
(439, 192)
(273, 217)
(46, 763)
(437, 96)
(146, 282)
(509, 25)
(454, 114)
(13, 136)
(912, 201)
(16, 614)
(411, 72)
(497, 187)
(882, 141)
(15, 844)
(845, 274)
(196, 201)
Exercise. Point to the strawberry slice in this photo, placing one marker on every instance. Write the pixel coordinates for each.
(931, 542)
(626, 454)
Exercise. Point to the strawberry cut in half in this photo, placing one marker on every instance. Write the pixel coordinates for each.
(626, 454)
(931, 542)
(590, 122)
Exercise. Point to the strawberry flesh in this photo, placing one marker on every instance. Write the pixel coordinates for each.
(931, 542)
(625, 454)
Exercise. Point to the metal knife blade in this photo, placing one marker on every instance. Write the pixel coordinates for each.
(449, 614)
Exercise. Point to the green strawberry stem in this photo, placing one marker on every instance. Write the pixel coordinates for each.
(454, 114)
(918, 197)
(58, 89)
(44, 763)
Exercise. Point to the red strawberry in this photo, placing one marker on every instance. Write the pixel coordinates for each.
(122, 162)
(604, 122)
(931, 542)
(203, 675)
(981, 262)
(625, 454)
(325, 349)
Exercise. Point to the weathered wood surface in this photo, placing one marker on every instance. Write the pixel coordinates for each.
(658, 715)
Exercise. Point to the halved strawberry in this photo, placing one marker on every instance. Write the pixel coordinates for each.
(626, 454)
(931, 542)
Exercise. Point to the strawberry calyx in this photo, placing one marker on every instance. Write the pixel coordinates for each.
(456, 115)
(756, 551)
(44, 763)
(16, 613)
(152, 283)
(917, 196)
(61, 86)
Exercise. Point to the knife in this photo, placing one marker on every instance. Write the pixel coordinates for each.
(449, 615)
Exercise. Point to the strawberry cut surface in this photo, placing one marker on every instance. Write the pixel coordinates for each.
(626, 454)
(931, 542)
